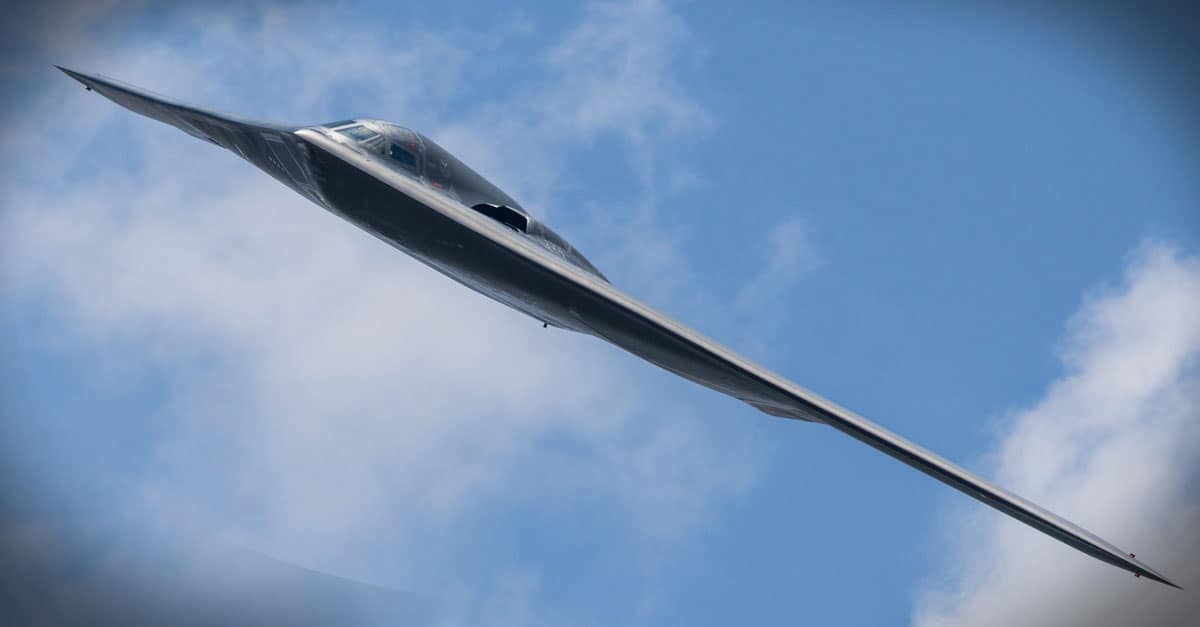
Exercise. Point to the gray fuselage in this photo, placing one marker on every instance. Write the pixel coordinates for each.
(303, 159)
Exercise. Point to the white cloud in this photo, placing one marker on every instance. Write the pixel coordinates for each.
(327, 394)
(1112, 446)
(614, 69)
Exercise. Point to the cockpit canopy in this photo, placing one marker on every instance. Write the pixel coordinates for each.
(415, 155)
(418, 156)
(400, 145)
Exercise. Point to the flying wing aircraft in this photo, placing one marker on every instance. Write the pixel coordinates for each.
(403, 188)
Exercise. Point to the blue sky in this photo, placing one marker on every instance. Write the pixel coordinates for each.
(976, 228)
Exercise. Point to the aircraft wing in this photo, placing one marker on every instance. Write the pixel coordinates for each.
(659, 339)
(227, 131)
(269, 146)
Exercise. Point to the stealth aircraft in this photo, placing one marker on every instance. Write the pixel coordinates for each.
(403, 188)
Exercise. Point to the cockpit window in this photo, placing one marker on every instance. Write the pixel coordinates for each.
(358, 132)
(402, 154)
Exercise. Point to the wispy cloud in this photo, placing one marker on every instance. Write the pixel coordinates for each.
(1111, 445)
(615, 71)
(789, 254)
(611, 76)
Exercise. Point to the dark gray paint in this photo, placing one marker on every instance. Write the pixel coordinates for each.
(541, 275)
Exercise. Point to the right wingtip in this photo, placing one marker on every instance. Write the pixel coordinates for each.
(1141, 570)
(1164, 580)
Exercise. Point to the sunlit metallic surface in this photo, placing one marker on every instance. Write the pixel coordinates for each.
(409, 192)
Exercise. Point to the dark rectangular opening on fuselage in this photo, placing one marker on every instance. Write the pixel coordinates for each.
(505, 215)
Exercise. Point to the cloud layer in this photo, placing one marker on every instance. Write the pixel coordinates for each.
(328, 400)
(1112, 445)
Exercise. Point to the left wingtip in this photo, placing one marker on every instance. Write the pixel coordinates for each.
(82, 78)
